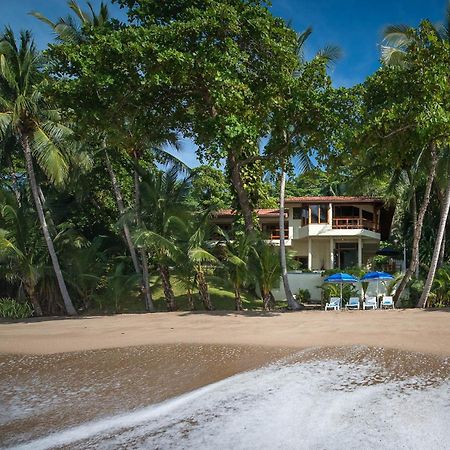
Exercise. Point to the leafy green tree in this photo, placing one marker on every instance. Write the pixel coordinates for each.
(26, 115)
(404, 110)
(299, 126)
(230, 70)
(210, 189)
(426, 51)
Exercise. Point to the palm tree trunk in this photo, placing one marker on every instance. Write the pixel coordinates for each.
(149, 306)
(267, 301)
(203, 291)
(48, 240)
(167, 288)
(121, 208)
(418, 227)
(437, 249)
(190, 300)
(241, 193)
(31, 292)
(414, 214)
(237, 298)
(292, 304)
(442, 252)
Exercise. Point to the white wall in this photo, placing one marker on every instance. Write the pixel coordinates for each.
(312, 281)
(299, 280)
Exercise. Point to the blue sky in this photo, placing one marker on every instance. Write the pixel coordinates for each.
(353, 25)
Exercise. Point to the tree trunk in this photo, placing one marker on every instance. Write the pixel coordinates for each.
(148, 299)
(414, 214)
(419, 225)
(292, 304)
(267, 301)
(167, 288)
(190, 300)
(237, 298)
(149, 306)
(442, 252)
(203, 291)
(34, 301)
(121, 208)
(242, 196)
(437, 249)
(48, 240)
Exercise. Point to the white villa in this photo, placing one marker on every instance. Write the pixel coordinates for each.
(325, 232)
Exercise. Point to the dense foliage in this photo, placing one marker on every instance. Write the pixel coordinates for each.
(98, 212)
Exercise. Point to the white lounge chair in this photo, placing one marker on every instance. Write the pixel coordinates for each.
(370, 302)
(387, 302)
(353, 303)
(335, 303)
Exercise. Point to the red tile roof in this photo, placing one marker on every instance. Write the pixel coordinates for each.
(326, 199)
(334, 199)
(260, 212)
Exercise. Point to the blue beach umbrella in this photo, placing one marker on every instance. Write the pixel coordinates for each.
(376, 276)
(341, 278)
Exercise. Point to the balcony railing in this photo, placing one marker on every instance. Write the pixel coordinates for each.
(354, 223)
(274, 233)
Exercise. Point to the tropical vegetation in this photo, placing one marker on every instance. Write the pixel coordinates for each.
(99, 213)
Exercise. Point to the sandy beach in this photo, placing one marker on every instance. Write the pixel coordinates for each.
(151, 380)
(412, 330)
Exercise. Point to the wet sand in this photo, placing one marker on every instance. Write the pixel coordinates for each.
(410, 330)
(62, 373)
(39, 393)
(104, 398)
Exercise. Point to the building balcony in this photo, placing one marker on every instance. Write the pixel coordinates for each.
(352, 223)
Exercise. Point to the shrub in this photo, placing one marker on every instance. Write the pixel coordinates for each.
(12, 309)
(303, 295)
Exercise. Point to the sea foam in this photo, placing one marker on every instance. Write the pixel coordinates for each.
(301, 403)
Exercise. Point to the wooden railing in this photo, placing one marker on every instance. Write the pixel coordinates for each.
(274, 233)
(354, 222)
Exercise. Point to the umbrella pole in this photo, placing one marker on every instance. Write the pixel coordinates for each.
(341, 296)
(378, 290)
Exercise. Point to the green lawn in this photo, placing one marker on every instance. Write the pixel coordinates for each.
(222, 297)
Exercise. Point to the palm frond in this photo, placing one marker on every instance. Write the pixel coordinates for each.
(49, 157)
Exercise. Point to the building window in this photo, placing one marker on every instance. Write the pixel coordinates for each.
(346, 211)
(297, 213)
(314, 213)
(311, 214)
(323, 218)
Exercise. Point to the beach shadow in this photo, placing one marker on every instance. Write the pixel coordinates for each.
(445, 310)
(52, 318)
(223, 313)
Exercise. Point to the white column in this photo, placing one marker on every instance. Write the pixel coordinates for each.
(331, 253)
(359, 252)
(309, 254)
(330, 214)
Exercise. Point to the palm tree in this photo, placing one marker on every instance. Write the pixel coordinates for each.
(25, 114)
(236, 260)
(398, 41)
(163, 196)
(73, 30)
(266, 270)
(293, 126)
(200, 257)
(21, 251)
(128, 135)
